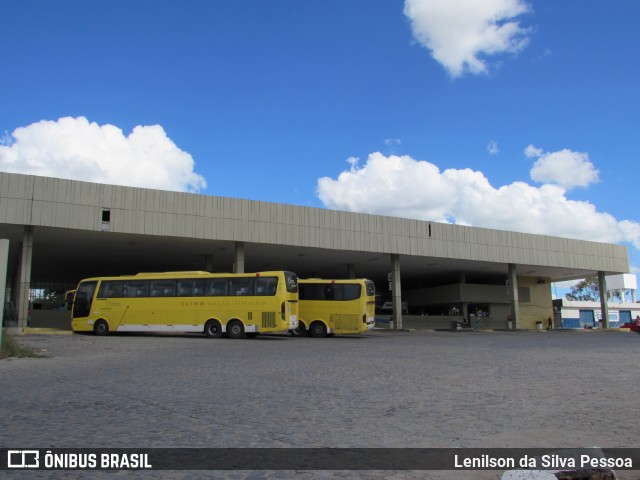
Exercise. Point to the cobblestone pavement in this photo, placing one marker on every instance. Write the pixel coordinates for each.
(383, 389)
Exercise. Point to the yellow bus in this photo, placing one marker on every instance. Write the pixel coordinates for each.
(209, 303)
(328, 307)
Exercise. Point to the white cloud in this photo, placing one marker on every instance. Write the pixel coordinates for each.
(532, 151)
(405, 187)
(76, 149)
(461, 33)
(492, 148)
(566, 168)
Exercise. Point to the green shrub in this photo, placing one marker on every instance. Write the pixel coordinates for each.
(11, 348)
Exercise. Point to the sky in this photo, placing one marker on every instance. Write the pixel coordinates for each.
(519, 115)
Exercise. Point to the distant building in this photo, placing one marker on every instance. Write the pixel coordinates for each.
(585, 314)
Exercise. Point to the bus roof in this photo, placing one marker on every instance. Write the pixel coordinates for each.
(171, 274)
(183, 274)
(330, 280)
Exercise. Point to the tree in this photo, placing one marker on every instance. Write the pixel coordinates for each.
(589, 291)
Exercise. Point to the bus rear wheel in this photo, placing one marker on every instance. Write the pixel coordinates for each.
(235, 329)
(101, 328)
(212, 329)
(318, 330)
(301, 331)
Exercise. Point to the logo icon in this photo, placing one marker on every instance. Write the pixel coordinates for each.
(23, 458)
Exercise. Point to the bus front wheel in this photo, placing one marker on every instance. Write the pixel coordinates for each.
(318, 330)
(235, 329)
(212, 329)
(101, 328)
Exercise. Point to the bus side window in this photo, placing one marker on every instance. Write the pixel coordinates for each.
(185, 288)
(217, 287)
(110, 289)
(312, 291)
(115, 290)
(198, 287)
(103, 291)
(163, 288)
(266, 286)
(136, 288)
(241, 286)
(351, 292)
(329, 292)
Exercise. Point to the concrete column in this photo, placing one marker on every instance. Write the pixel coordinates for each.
(396, 291)
(15, 287)
(604, 305)
(462, 279)
(25, 278)
(4, 263)
(208, 262)
(351, 270)
(238, 264)
(513, 296)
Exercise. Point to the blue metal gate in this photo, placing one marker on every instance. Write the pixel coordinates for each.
(587, 319)
(625, 316)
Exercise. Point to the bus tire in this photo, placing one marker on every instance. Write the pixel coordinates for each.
(101, 328)
(301, 331)
(213, 329)
(318, 330)
(235, 329)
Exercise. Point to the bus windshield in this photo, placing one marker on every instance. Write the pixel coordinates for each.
(83, 299)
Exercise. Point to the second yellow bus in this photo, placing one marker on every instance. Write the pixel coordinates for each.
(329, 307)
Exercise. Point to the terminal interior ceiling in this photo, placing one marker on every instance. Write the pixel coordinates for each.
(65, 256)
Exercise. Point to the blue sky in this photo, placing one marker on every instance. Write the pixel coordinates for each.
(511, 114)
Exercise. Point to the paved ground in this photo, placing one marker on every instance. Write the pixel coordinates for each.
(437, 389)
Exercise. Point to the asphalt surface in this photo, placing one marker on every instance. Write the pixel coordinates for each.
(383, 389)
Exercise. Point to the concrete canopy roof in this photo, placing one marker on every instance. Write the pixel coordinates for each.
(66, 256)
(152, 230)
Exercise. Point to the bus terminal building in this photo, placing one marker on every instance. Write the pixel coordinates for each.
(432, 274)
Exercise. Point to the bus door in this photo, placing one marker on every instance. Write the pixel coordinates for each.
(111, 304)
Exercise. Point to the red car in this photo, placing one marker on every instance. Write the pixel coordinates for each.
(633, 326)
